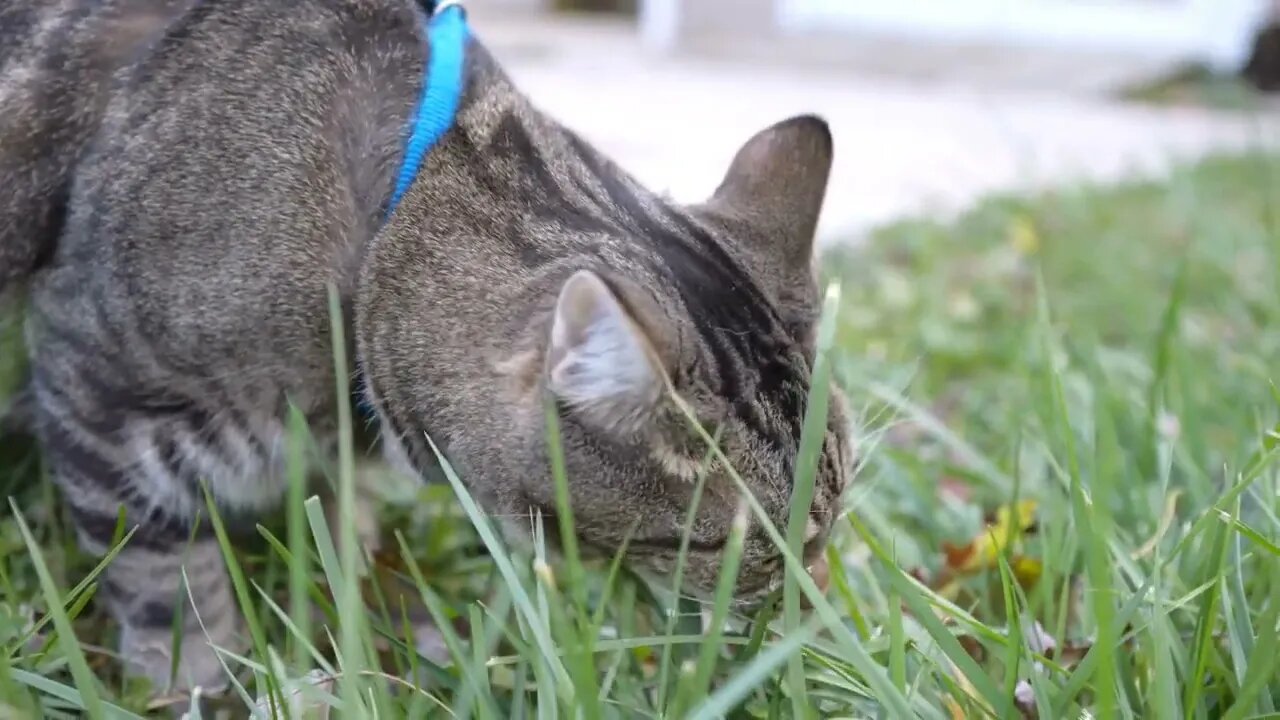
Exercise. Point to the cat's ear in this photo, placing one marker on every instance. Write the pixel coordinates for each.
(777, 182)
(600, 362)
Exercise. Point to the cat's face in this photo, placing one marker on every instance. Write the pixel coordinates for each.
(725, 324)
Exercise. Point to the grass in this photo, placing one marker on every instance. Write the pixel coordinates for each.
(1067, 508)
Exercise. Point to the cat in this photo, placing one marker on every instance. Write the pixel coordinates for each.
(239, 162)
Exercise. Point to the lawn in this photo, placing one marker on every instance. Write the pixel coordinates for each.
(1067, 507)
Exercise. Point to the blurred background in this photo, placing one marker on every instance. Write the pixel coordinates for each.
(932, 102)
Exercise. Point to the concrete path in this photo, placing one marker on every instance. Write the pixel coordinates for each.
(902, 146)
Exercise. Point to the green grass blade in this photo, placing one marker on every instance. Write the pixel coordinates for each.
(677, 578)
(296, 526)
(1202, 649)
(916, 601)
(812, 438)
(242, 591)
(586, 686)
(729, 566)
(1262, 672)
(564, 688)
(875, 674)
(73, 696)
(897, 643)
(310, 652)
(86, 683)
(351, 609)
(727, 696)
(1254, 536)
(472, 683)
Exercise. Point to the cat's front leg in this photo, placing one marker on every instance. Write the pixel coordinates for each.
(168, 587)
(183, 588)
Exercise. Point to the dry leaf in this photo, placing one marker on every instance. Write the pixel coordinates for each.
(1027, 570)
(973, 647)
(981, 552)
(1004, 526)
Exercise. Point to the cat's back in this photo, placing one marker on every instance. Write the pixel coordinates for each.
(240, 168)
(57, 58)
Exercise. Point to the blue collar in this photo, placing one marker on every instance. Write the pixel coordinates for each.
(447, 36)
(442, 87)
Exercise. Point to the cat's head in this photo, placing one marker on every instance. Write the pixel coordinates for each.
(725, 319)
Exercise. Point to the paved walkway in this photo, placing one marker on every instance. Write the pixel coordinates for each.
(902, 146)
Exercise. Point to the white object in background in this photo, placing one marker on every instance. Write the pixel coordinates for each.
(664, 24)
(1216, 32)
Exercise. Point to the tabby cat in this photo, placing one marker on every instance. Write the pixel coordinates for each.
(179, 223)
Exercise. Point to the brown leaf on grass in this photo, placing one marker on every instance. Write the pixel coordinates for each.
(1027, 570)
(973, 647)
(959, 558)
(1005, 526)
(1003, 529)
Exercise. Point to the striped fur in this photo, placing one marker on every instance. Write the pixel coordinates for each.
(57, 58)
(241, 165)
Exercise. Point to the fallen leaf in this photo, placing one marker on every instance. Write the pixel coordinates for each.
(1024, 514)
(973, 647)
(1003, 528)
(1027, 570)
(960, 558)
(1008, 524)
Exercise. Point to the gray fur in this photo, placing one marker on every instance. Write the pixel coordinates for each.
(241, 164)
(57, 58)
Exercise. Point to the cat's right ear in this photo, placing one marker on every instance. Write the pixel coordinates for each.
(776, 183)
(599, 362)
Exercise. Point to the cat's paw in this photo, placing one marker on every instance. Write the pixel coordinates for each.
(149, 653)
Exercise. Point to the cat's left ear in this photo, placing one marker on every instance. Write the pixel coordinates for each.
(600, 361)
(776, 184)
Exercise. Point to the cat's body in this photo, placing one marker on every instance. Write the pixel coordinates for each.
(243, 165)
